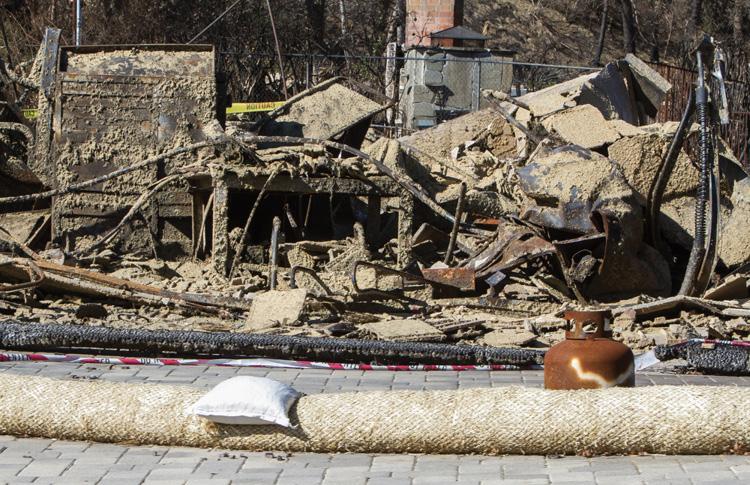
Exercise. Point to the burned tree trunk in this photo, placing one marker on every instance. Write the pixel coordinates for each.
(316, 17)
(737, 20)
(596, 61)
(628, 26)
(695, 21)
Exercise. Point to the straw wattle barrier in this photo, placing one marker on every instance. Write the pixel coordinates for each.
(660, 419)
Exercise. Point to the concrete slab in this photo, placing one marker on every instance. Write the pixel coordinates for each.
(583, 125)
(608, 93)
(275, 307)
(650, 87)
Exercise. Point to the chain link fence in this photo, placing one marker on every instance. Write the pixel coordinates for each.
(254, 77)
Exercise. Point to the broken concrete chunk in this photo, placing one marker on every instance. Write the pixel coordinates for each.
(608, 93)
(441, 139)
(557, 97)
(640, 157)
(625, 129)
(275, 308)
(405, 331)
(321, 112)
(650, 87)
(583, 126)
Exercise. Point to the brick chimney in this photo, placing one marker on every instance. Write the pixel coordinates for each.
(424, 17)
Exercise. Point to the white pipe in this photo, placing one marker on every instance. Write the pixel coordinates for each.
(78, 22)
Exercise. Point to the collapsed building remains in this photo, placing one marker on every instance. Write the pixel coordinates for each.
(483, 229)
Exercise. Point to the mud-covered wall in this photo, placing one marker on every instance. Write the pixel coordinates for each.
(115, 107)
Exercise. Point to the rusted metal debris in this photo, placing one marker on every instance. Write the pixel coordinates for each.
(504, 228)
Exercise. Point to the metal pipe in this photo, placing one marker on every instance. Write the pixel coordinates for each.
(663, 175)
(698, 251)
(212, 23)
(278, 49)
(456, 224)
(79, 22)
(274, 252)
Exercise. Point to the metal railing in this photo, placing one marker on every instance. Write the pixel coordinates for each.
(735, 134)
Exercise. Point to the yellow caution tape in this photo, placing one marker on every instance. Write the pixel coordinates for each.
(31, 114)
(253, 107)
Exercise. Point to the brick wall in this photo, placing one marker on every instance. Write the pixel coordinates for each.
(424, 17)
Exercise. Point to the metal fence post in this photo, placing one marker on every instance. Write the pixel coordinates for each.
(308, 67)
(479, 84)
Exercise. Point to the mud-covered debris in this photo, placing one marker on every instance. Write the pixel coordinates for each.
(583, 126)
(407, 330)
(552, 218)
(608, 92)
(508, 338)
(718, 330)
(326, 111)
(639, 158)
(739, 326)
(557, 97)
(650, 88)
(732, 288)
(27, 227)
(678, 224)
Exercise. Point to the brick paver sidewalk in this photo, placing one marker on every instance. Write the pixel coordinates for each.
(43, 461)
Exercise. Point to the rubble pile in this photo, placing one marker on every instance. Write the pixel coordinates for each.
(480, 231)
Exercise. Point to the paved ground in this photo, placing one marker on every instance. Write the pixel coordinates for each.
(43, 461)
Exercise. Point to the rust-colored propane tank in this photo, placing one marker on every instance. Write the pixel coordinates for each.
(588, 360)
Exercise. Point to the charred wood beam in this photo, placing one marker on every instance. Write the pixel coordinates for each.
(378, 185)
(402, 180)
(68, 279)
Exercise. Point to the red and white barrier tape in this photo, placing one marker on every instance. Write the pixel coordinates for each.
(277, 363)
